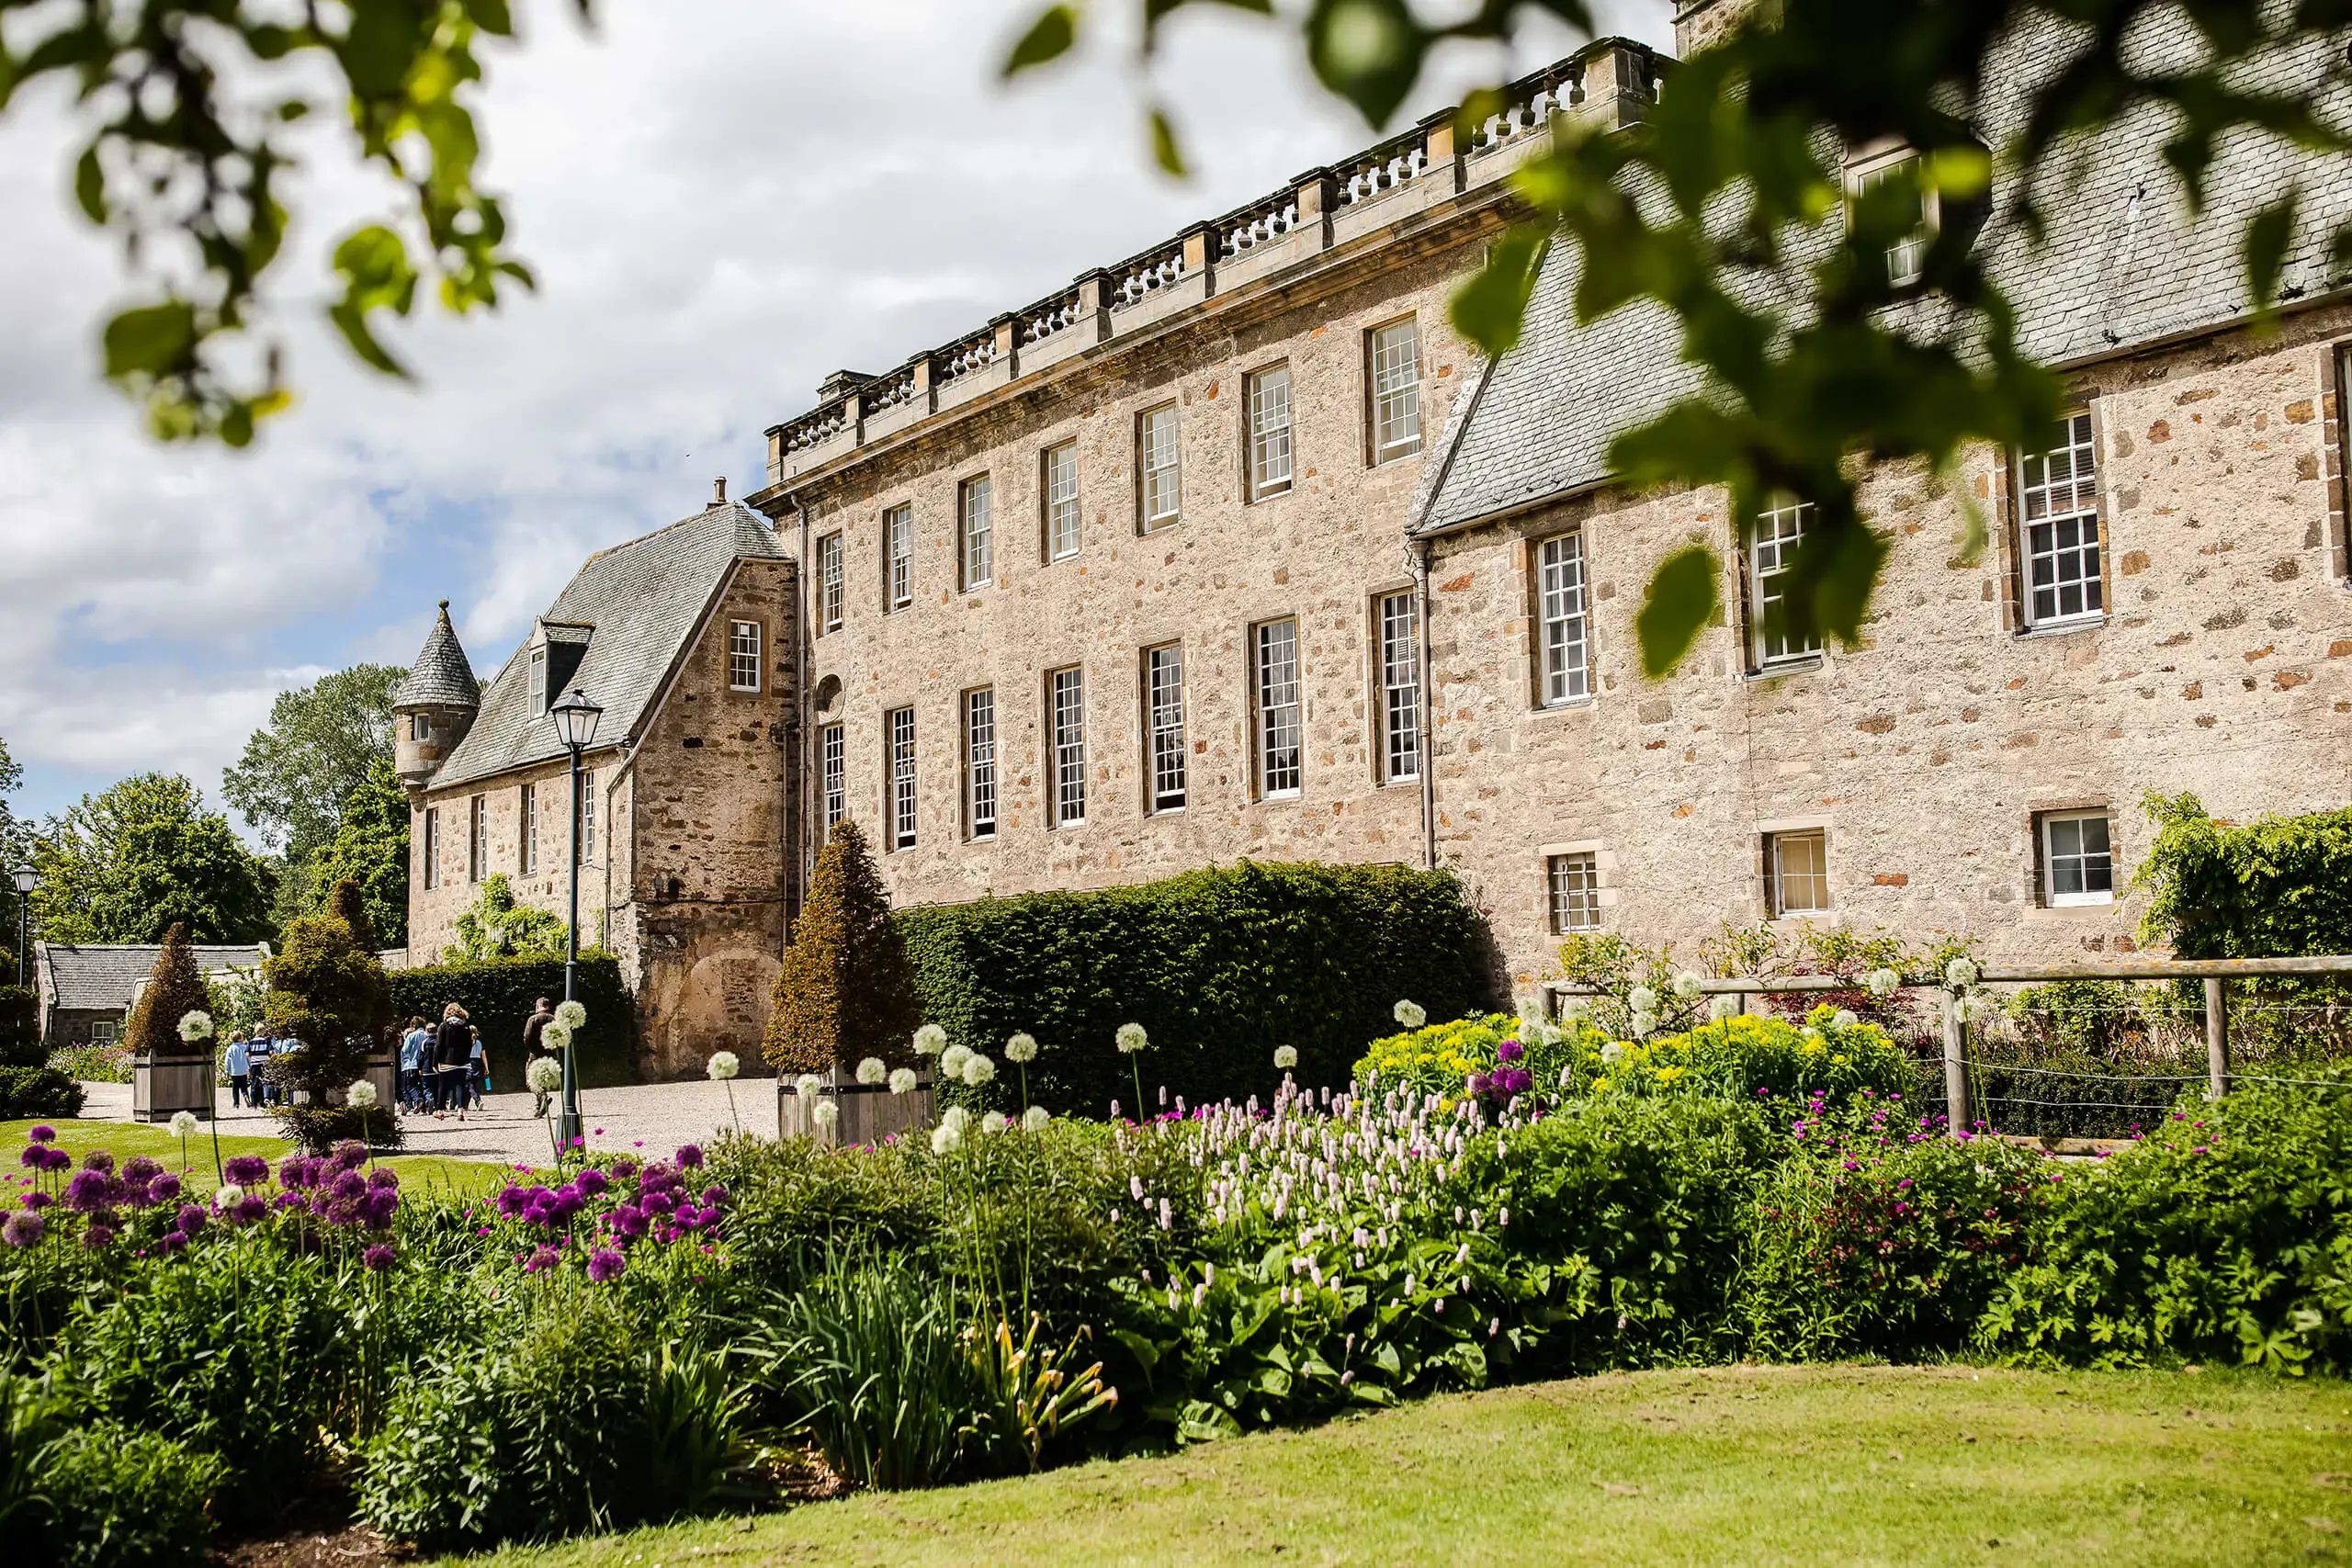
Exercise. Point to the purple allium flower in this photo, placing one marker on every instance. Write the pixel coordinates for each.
(657, 1202)
(191, 1218)
(244, 1170)
(35, 1157)
(625, 1167)
(1509, 1051)
(542, 1258)
(1476, 1084)
(164, 1189)
(58, 1160)
(22, 1228)
(377, 1258)
(172, 1241)
(251, 1208)
(294, 1170)
(98, 1159)
(629, 1219)
(690, 1157)
(378, 1206)
(714, 1196)
(349, 1155)
(43, 1135)
(138, 1170)
(591, 1182)
(606, 1266)
(384, 1177)
(97, 1236)
(38, 1200)
(90, 1191)
(348, 1186)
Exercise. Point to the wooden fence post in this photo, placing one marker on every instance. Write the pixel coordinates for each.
(2217, 1038)
(1955, 1068)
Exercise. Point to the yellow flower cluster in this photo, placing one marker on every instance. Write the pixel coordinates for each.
(1439, 1056)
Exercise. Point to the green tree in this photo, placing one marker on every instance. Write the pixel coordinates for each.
(496, 926)
(323, 742)
(128, 863)
(175, 989)
(846, 991)
(16, 849)
(327, 991)
(1807, 367)
(369, 849)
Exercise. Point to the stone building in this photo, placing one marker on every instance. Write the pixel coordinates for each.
(686, 638)
(85, 991)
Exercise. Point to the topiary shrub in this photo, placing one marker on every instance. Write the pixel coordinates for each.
(497, 994)
(845, 992)
(328, 990)
(175, 989)
(39, 1091)
(1220, 967)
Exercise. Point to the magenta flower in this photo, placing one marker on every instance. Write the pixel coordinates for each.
(90, 1191)
(591, 1182)
(138, 1170)
(244, 1170)
(43, 1135)
(606, 1266)
(35, 1157)
(541, 1258)
(384, 1177)
(164, 1189)
(38, 1200)
(97, 1236)
(23, 1228)
(191, 1218)
(377, 1258)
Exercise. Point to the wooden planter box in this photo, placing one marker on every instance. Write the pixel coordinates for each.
(870, 1112)
(163, 1084)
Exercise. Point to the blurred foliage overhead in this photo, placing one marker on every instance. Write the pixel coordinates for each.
(1741, 157)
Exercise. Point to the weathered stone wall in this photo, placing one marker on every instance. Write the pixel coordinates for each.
(432, 911)
(1319, 553)
(2224, 669)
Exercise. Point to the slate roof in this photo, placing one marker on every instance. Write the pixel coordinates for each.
(642, 601)
(2124, 265)
(442, 675)
(98, 977)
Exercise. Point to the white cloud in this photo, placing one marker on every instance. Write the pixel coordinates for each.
(724, 200)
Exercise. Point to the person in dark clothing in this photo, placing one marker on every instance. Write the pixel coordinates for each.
(453, 1057)
(532, 1028)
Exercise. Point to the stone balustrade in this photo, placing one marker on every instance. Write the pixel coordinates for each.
(1611, 81)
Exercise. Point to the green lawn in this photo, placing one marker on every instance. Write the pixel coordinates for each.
(425, 1173)
(1735, 1465)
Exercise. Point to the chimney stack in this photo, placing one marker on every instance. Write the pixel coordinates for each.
(719, 491)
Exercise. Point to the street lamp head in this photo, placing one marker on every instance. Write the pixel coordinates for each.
(27, 878)
(575, 719)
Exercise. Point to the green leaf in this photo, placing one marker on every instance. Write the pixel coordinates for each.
(1490, 308)
(90, 183)
(378, 275)
(1048, 37)
(1164, 149)
(1682, 599)
(151, 341)
(2268, 234)
(1368, 51)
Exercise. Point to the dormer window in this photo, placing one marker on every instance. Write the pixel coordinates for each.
(1894, 168)
(539, 681)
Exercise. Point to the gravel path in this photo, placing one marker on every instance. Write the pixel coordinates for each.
(654, 1118)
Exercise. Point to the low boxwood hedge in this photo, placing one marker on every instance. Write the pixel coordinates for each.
(497, 994)
(1219, 966)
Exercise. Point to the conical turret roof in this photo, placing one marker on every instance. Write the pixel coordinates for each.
(442, 676)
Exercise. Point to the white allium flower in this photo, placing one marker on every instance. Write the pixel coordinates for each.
(543, 1075)
(360, 1096)
(228, 1195)
(1021, 1047)
(723, 1065)
(1844, 1017)
(808, 1083)
(196, 1026)
(825, 1112)
(904, 1080)
(1960, 973)
(554, 1036)
(994, 1122)
(1572, 1008)
(1613, 1054)
(947, 1138)
(1641, 1024)
(183, 1123)
(1882, 982)
(571, 1015)
(952, 1060)
(1412, 1015)
(930, 1040)
(1033, 1118)
(1686, 985)
(955, 1116)
(871, 1070)
(1285, 1057)
(1641, 999)
(1131, 1039)
(978, 1069)
(1722, 1006)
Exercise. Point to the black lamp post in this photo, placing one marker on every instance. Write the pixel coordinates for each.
(26, 879)
(576, 725)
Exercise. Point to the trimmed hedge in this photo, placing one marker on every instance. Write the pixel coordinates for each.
(38, 1091)
(1220, 967)
(20, 1043)
(497, 994)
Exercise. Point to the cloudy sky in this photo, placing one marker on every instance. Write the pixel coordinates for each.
(724, 200)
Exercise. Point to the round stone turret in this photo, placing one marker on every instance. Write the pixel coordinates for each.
(434, 707)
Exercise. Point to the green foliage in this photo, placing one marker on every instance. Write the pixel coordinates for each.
(572, 1424)
(324, 744)
(844, 992)
(496, 926)
(1218, 965)
(202, 98)
(1747, 1054)
(328, 989)
(124, 1498)
(175, 989)
(41, 1091)
(1436, 1059)
(370, 850)
(498, 994)
(2280, 887)
(20, 1027)
(128, 863)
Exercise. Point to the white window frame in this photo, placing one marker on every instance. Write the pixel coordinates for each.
(1906, 259)
(1159, 467)
(2086, 860)
(527, 829)
(829, 584)
(2067, 508)
(1268, 402)
(538, 697)
(832, 776)
(432, 848)
(897, 556)
(979, 763)
(420, 727)
(106, 1031)
(898, 738)
(745, 640)
(975, 533)
(1572, 891)
(587, 819)
(1280, 726)
(1066, 716)
(1057, 492)
(1392, 383)
(1780, 533)
(477, 837)
(1397, 618)
(1165, 763)
(1564, 624)
(1780, 876)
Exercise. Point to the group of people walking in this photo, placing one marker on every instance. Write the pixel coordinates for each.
(248, 1068)
(445, 1069)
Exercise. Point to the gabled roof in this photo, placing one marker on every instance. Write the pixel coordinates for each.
(2124, 265)
(641, 601)
(96, 976)
(442, 676)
